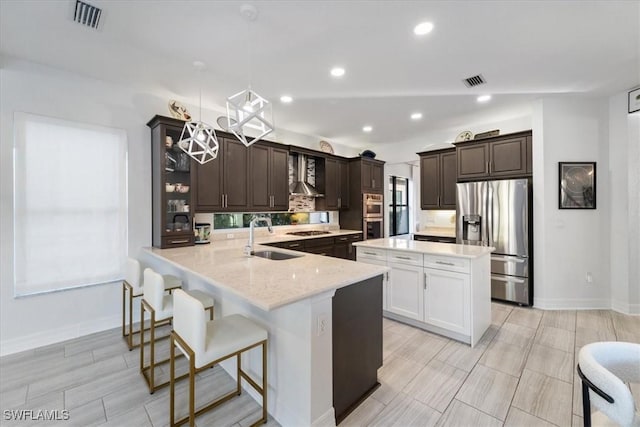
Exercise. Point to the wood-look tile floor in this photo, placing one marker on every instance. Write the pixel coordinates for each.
(522, 373)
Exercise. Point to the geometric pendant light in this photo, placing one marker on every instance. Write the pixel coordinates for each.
(249, 115)
(198, 139)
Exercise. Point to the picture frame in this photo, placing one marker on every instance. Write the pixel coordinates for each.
(634, 100)
(577, 185)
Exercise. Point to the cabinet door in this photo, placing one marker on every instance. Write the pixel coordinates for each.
(235, 175)
(448, 178)
(529, 151)
(406, 291)
(343, 184)
(208, 185)
(331, 190)
(385, 279)
(367, 176)
(473, 161)
(429, 181)
(279, 175)
(377, 178)
(260, 171)
(447, 300)
(341, 250)
(508, 157)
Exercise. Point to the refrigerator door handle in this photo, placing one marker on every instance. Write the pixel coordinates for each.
(490, 214)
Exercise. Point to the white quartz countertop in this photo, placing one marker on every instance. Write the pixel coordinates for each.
(429, 248)
(265, 283)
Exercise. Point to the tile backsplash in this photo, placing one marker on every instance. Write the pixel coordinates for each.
(302, 203)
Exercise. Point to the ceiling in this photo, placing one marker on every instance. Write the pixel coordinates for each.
(524, 50)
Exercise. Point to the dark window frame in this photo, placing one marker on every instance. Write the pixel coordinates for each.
(394, 206)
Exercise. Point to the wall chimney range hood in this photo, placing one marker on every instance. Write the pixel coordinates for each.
(301, 187)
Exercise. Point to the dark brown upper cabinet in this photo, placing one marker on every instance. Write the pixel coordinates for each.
(438, 179)
(171, 185)
(505, 156)
(269, 177)
(221, 185)
(372, 175)
(336, 190)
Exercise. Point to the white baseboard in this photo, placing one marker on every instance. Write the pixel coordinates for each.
(625, 307)
(53, 336)
(572, 304)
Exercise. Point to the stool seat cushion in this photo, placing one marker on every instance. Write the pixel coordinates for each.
(203, 297)
(171, 282)
(228, 335)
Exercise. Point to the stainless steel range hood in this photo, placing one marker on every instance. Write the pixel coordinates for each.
(301, 187)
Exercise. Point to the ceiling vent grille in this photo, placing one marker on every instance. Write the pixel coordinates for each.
(474, 81)
(87, 15)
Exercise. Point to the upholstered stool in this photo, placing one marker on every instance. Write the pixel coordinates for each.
(160, 308)
(206, 343)
(132, 288)
(606, 368)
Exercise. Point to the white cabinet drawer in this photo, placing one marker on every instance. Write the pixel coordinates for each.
(460, 265)
(371, 253)
(411, 258)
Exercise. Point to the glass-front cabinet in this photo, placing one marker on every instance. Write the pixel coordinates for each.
(171, 185)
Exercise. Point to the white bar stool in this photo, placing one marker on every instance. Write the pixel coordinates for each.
(132, 288)
(160, 308)
(206, 343)
(605, 369)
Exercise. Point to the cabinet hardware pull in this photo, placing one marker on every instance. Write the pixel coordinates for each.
(445, 263)
(342, 239)
(373, 183)
(426, 278)
(179, 241)
(488, 167)
(438, 200)
(387, 273)
(339, 202)
(404, 257)
(369, 253)
(294, 245)
(222, 200)
(226, 200)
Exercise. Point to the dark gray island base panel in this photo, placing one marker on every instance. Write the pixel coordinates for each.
(357, 344)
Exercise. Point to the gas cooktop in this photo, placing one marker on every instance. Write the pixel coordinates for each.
(309, 233)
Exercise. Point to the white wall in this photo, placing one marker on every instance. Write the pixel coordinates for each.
(624, 160)
(28, 87)
(570, 243)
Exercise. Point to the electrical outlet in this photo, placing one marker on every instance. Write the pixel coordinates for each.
(322, 323)
(589, 277)
(230, 236)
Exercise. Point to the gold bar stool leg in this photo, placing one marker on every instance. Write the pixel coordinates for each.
(189, 323)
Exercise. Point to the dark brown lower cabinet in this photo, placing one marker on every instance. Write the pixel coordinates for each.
(437, 239)
(357, 344)
(337, 247)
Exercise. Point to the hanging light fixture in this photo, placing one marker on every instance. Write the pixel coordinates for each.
(248, 112)
(199, 139)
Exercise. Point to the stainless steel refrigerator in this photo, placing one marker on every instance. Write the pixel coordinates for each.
(498, 214)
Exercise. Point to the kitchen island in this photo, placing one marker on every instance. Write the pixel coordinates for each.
(297, 300)
(440, 287)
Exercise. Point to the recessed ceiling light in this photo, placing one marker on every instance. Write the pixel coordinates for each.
(423, 28)
(416, 116)
(484, 98)
(337, 71)
(367, 128)
(286, 99)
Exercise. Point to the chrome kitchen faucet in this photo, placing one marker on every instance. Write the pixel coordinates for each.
(248, 250)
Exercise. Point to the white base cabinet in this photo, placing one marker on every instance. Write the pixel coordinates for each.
(446, 300)
(444, 294)
(405, 291)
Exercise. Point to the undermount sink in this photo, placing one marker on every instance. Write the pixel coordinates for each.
(276, 256)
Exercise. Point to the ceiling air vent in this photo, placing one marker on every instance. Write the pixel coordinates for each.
(87, 15)
(474, 81)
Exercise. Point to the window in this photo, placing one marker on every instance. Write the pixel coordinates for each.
(399, 207)
(70, 204)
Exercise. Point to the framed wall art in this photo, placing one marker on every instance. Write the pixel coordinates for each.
(634, 100)
(577, 187)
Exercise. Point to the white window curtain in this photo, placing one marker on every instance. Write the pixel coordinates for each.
(70, 204)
